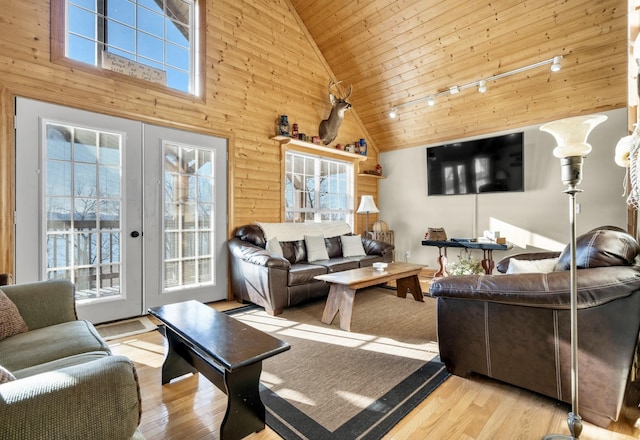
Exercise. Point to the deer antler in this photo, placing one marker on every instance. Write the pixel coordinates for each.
(333, 84)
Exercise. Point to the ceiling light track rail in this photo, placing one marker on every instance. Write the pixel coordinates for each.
(481, 84)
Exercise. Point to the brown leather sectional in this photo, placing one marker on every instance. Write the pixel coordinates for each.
(516, 328)
(273, 282)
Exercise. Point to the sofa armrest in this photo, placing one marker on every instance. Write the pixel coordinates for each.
(551, 290)
(97, 399)
(375, 247)
(256, 255)
(43, 303)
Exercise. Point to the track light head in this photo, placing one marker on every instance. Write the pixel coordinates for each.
(556, 66)
(454, 90)
(482, 86)
(431, 100)
(393, 113)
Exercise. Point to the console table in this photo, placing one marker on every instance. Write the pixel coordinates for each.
(487, 249)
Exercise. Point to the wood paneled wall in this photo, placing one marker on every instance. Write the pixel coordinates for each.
(259, 62)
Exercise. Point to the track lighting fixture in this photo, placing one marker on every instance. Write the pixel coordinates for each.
(480, 84)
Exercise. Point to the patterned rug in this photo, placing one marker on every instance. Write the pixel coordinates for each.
(122, 329)
(334, 384)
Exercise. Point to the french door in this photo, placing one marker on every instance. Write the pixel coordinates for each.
(133, 214)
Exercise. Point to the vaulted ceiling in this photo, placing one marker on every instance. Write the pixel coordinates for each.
(393, 52)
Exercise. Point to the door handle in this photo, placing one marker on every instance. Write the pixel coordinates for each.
(135, 234)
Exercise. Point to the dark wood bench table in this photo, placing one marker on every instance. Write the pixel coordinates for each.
(227, 352)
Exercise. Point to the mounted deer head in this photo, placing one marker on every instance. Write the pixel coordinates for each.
(329, 127)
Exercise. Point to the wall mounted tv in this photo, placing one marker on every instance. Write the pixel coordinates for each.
(492, 164)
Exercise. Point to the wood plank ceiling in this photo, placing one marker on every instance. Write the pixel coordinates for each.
(393, 52)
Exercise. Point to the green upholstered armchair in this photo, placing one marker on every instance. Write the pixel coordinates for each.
(60, 378)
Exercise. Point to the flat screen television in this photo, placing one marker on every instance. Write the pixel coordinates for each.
(492, 164)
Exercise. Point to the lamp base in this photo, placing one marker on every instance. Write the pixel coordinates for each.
(575, 426)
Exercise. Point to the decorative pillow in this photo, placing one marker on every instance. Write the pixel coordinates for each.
(5, 375)
(11, 322)
(532, 266)
(352, 246)
(600, 247)
(273, 245)
(316, 249)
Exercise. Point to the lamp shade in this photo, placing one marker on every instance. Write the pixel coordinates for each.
(367, 205)
(571, 134)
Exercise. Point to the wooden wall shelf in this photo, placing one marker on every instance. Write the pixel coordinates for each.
(375, 176)
(319, 148)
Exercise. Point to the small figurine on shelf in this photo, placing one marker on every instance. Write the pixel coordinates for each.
(378, 169)
(294, 131)
(363, 147)
(283, 126)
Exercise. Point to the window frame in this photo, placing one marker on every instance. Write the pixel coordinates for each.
(58, 56)
(318, 212)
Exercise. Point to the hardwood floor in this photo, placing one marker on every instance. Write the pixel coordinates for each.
(473, 408)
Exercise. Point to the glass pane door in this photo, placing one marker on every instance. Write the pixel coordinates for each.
(185, 217)
(189, 187)
(83, 204)
(79, 206)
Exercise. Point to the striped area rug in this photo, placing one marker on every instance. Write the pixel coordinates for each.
(334, 384)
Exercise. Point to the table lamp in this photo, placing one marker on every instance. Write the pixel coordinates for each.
(367, 205)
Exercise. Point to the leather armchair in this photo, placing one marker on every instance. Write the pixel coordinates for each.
(516, 327)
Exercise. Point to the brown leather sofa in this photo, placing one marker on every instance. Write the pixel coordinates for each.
(516, 327)
(276, 282)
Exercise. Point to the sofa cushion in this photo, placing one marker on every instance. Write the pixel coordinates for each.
(316, 248)
(352, 246)
(57, 364)
(303, 273)
(367, 260)
(606, 246)
(294, 251)
(11, 322)
(338, 264)
(5, 375)
(54, 342)
(334, 246)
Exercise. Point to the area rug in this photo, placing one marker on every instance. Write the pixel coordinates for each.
(126, 328)
(335, 384)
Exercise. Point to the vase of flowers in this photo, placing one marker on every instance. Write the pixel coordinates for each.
(466, 265)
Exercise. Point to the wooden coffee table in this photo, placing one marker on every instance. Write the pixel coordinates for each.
(344, 285)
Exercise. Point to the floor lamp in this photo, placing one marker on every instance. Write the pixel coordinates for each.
(367, 205)
(571, 135)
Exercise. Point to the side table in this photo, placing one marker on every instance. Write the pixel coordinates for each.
(487, 249)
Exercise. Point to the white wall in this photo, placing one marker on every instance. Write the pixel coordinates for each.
(541, 210)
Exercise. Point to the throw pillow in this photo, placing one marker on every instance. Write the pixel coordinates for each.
(531, 266)
(316, 249)
(352, 246)
(5, 375)
(273, 245)
(11, 322)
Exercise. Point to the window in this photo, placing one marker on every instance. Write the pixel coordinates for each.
(153, 40)
(317, 189)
